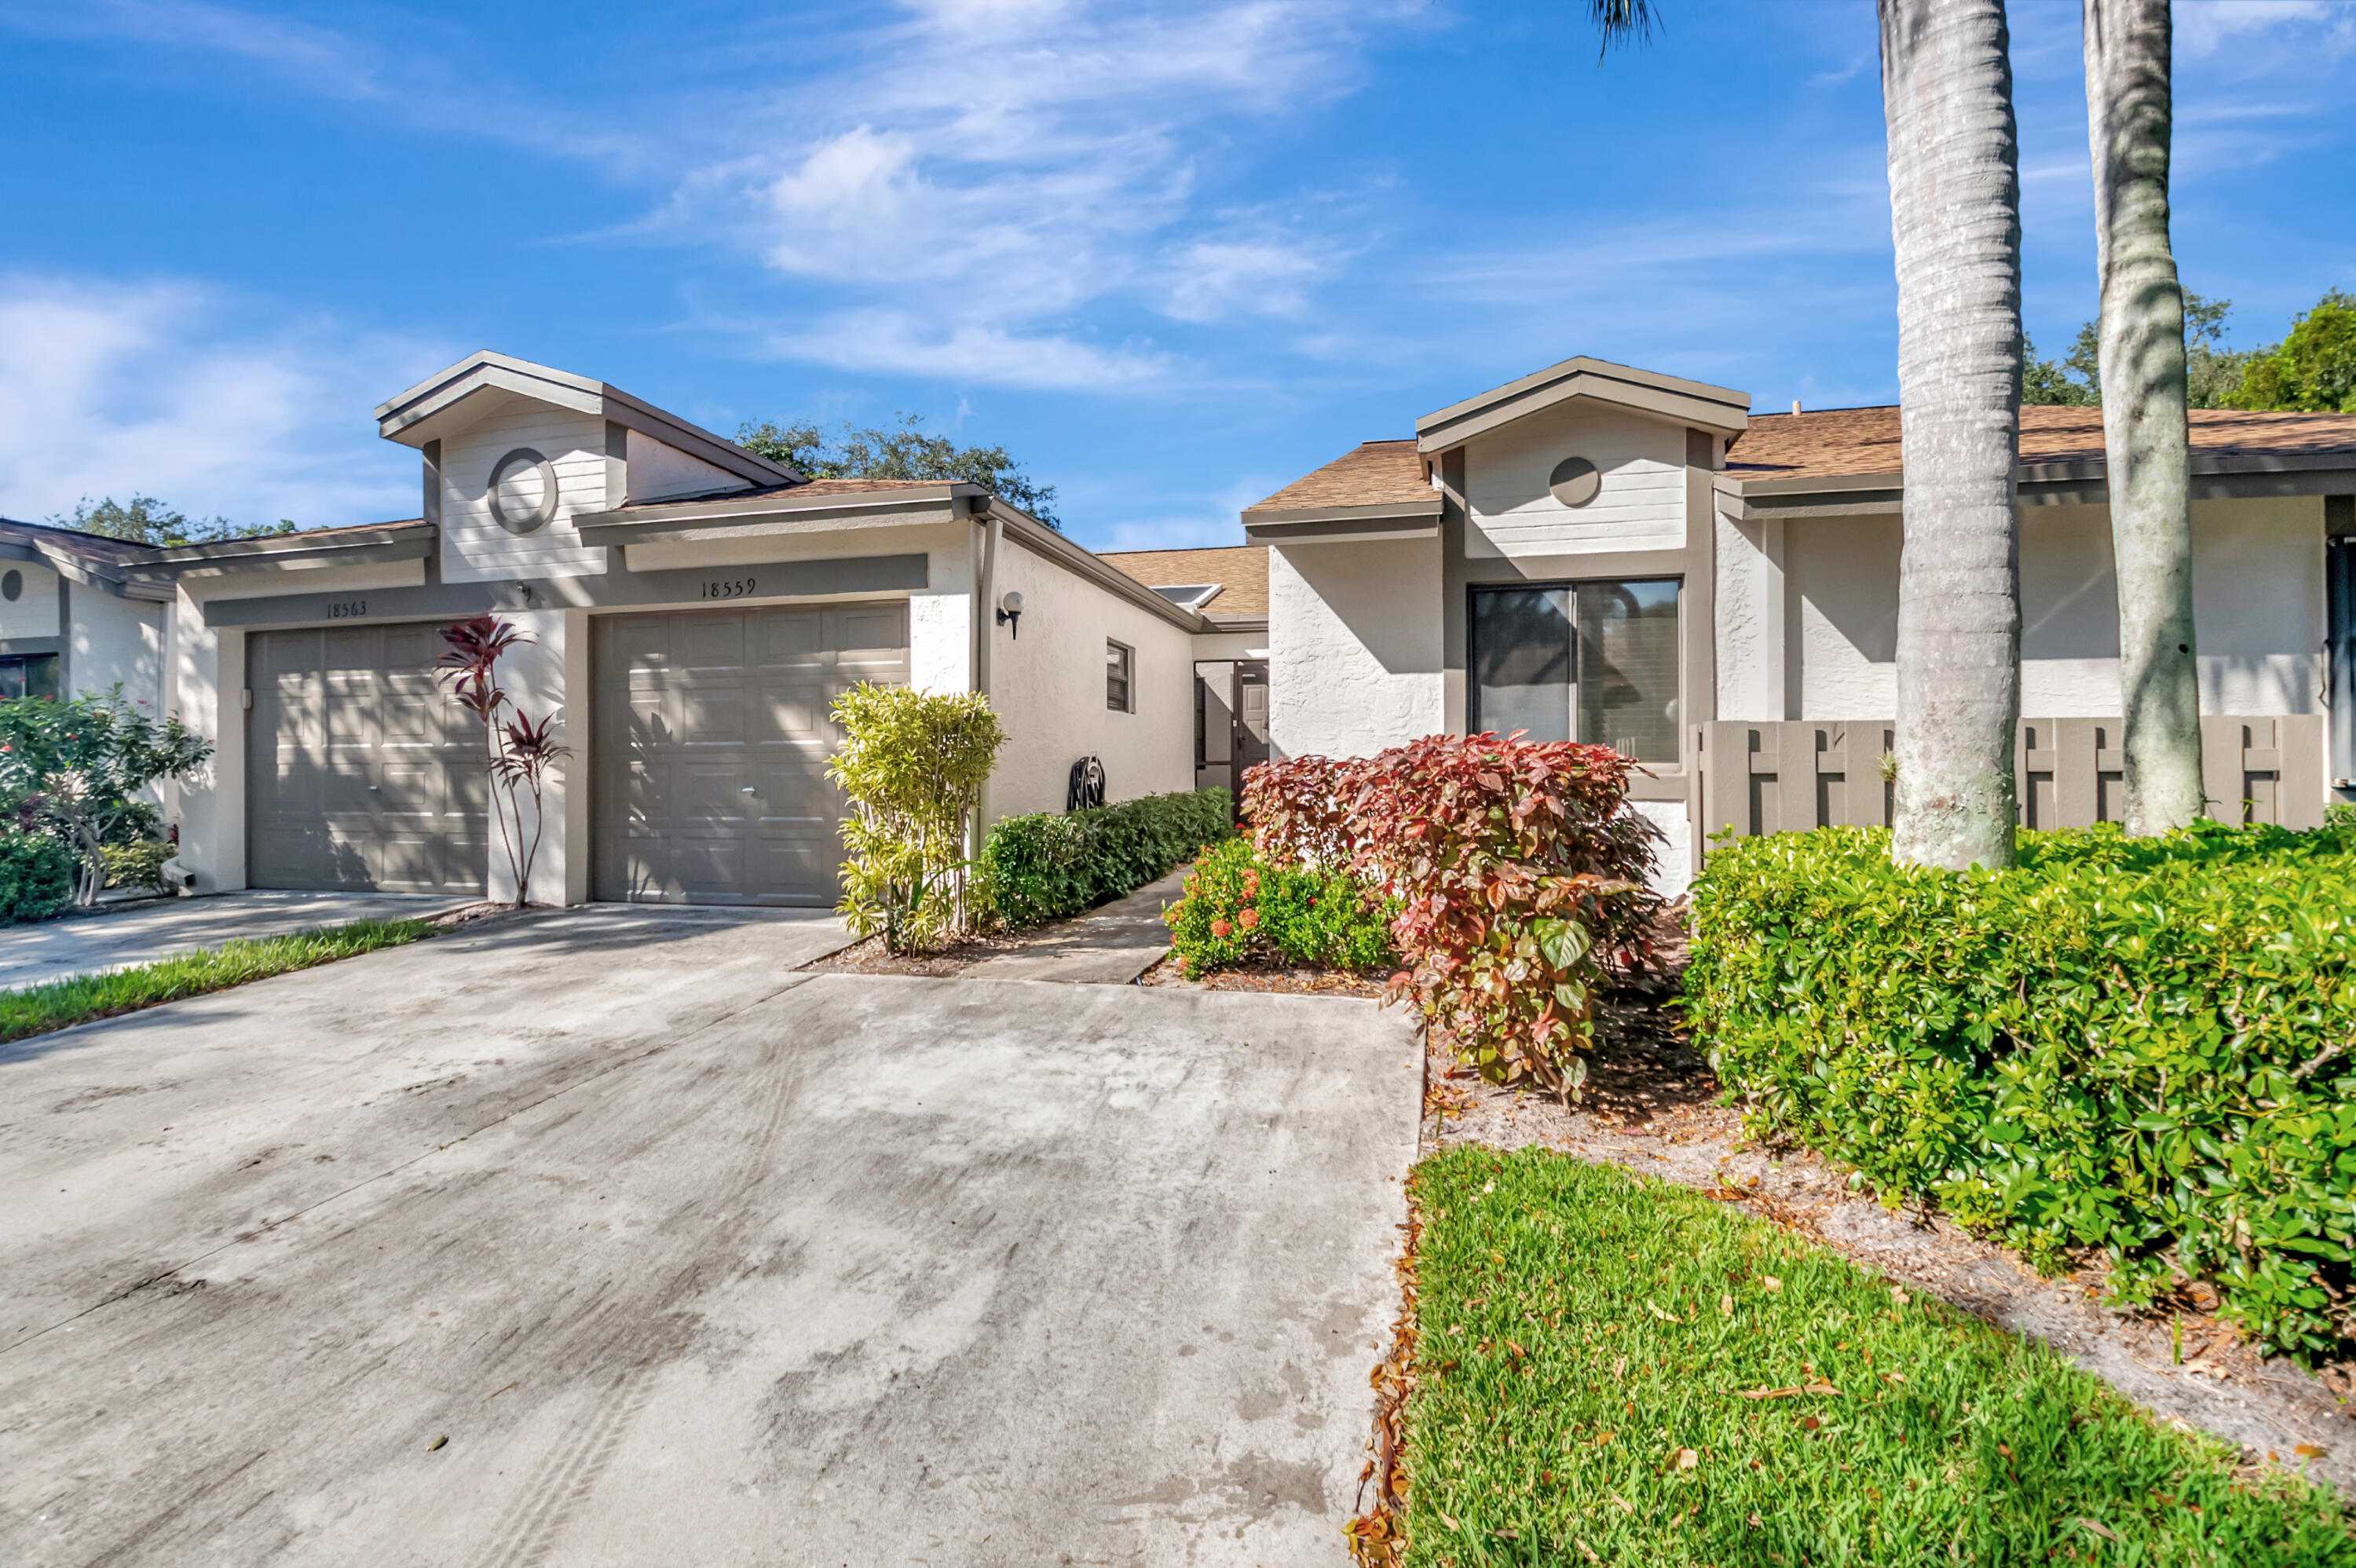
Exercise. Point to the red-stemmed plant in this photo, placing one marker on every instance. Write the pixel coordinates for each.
(521, 749)
(1518, 870)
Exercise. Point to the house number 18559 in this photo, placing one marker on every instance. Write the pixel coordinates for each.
(735, 588)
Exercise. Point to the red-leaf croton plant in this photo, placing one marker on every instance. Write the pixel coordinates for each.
(1518, 870)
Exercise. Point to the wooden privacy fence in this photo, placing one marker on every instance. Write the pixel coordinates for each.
(1795, 775)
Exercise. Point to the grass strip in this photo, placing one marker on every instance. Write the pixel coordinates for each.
(1612, 1370)
(59, 1004)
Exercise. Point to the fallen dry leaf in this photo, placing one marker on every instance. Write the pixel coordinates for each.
(2098, 1530)
(1772, 1283)
(1767, 1392)
(1684, 1459)
(2309, 1451)
(1726, 1306)
(1624, 1505)
(1585, 1551)
(1663, 1316)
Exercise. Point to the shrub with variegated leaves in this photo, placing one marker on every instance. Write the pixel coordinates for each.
(1519, 869)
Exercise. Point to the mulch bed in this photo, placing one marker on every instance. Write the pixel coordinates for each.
(869, 957)
(1269, 978)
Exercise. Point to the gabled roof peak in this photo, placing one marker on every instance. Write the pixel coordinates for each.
(1672, 398)
(412, 416)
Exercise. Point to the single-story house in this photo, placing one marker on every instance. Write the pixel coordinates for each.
(1227, 585)
(73, 621)
(693, 610)
(1600, 553)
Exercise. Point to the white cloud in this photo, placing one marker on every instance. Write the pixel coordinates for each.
(2204, 27)
(177, 391)
(1217, 278)
(905, 344)
(988, 166)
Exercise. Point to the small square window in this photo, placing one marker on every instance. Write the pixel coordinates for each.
(1119, 665)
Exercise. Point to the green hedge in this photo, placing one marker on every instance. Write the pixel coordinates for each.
(2146, 1046)
(1045, 866)
(1238, 908)
(36, 877)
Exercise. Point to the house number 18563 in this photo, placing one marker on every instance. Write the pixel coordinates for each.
(735, 588)
(347, 609)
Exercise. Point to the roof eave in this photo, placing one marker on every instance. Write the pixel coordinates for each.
(720, 516)
(2225, 477)
(1042, 541)
(283, 552)
(1343, 524)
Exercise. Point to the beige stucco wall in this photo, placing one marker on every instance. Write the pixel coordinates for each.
(1048, 686)
(1641, 504)
(117, 640)
(1354, 656)
(2257, 571)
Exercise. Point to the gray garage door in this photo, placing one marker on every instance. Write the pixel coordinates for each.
(712, 737)
(358, 773)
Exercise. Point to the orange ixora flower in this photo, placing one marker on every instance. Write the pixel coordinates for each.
(1220, 928)
(1248, 919)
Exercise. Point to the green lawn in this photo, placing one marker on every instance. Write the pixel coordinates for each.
(1618, 1371)
(36, 1009)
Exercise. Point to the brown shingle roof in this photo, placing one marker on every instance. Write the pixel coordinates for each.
(1837, 443)
(1372, 473)
(1240, 570)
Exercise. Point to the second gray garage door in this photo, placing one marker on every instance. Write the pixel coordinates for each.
(358, 773)
(711, 738)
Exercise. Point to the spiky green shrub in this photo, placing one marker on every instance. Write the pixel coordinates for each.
(913, 764)
(2144, 1046)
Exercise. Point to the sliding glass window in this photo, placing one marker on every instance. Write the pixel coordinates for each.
(1580, 661)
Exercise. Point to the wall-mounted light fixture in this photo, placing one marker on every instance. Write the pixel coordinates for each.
(1010, 611)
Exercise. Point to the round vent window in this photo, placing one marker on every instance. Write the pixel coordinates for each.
(523, 491)
(12, 584)
(1574, 482)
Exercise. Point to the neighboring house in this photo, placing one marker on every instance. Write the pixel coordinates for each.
(693, 608)
(71, 621)
(1228, 585)
(1602, 553)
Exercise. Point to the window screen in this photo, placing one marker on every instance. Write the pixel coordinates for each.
(1628, 668)
(1522, 661)
(1118, 659)
(1591, 661)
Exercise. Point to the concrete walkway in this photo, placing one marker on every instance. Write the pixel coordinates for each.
(142, 933)
(1110, 945)
(608, 1238)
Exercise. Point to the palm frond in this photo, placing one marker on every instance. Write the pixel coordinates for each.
(1620, 21)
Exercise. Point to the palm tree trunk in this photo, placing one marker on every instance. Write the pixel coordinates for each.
(2129, 113)
(1955, 200)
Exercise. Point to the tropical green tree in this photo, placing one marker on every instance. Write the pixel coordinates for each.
(906, 450)
(1955, 198)
(79, 765)
(2142, 373)
(146, 520)
(2213, 372)
(2313, 369)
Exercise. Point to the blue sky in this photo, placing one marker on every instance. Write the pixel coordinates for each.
(1173, 256)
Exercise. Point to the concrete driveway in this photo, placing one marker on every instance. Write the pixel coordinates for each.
(692, 1258)
(142, 933)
